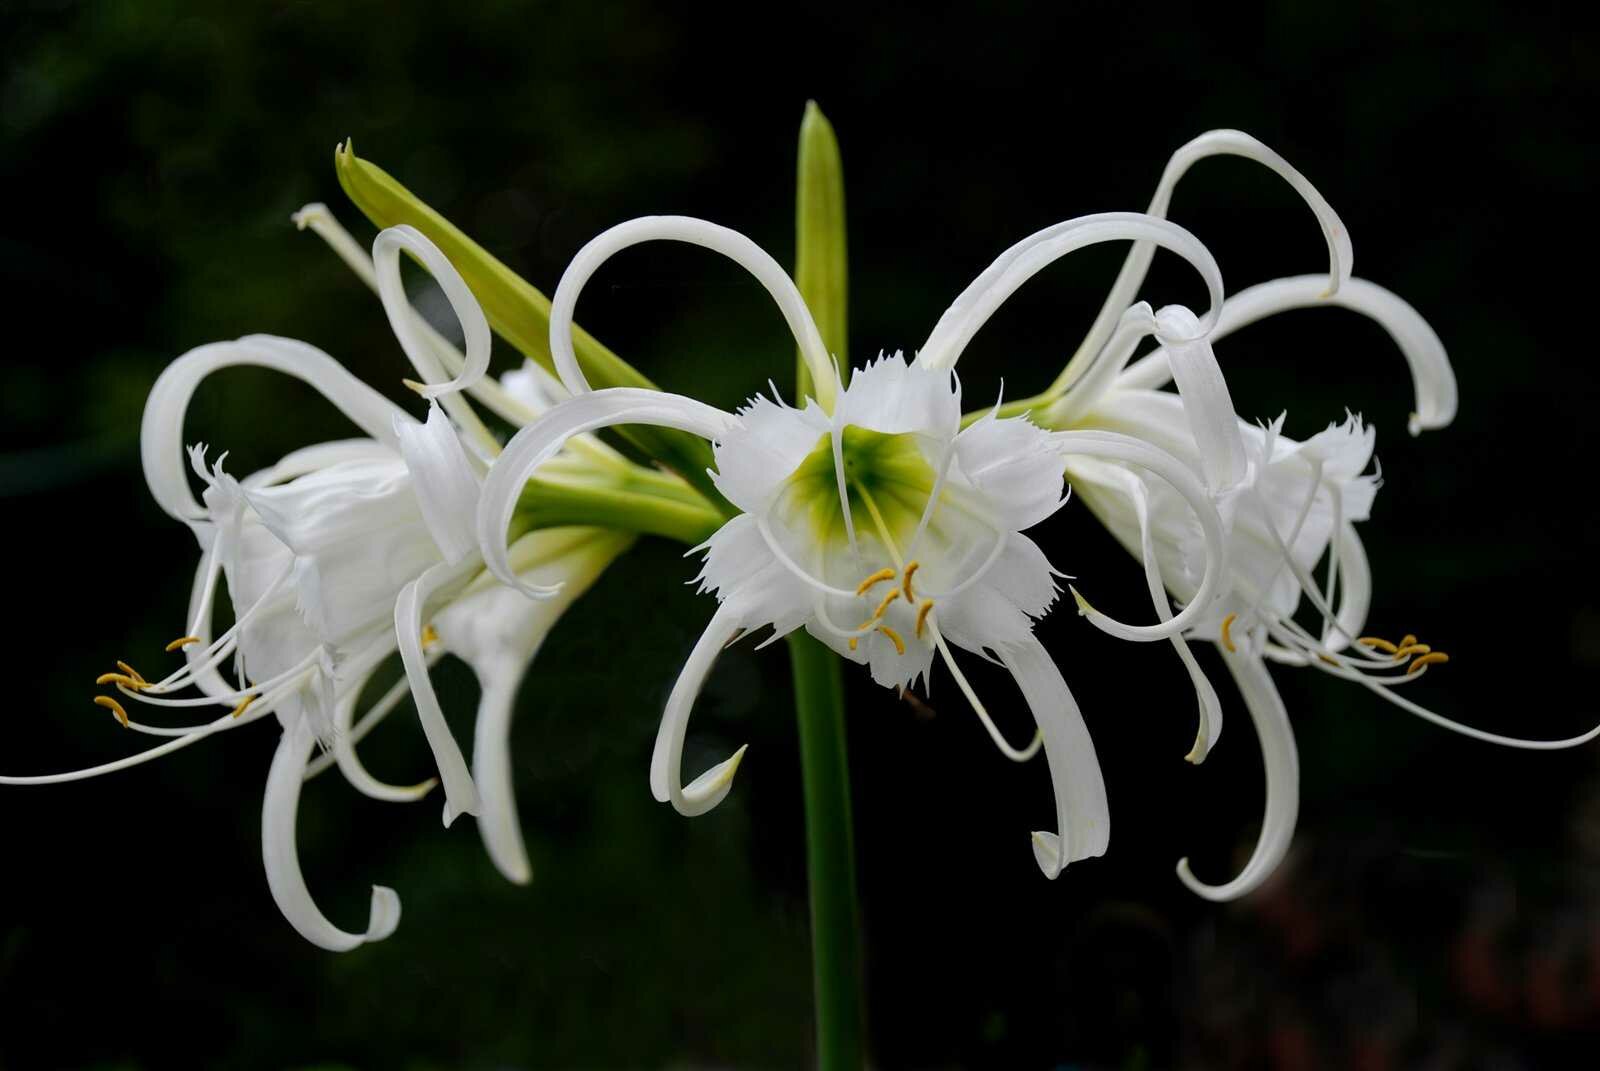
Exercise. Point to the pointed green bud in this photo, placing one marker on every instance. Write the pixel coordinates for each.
(516, 309)
(819, 262)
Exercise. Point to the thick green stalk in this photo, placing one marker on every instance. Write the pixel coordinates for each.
(518, 312)
(818, 693)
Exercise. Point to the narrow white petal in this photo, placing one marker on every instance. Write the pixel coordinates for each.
(344, 754)
(386, 251)
(666, 764)
(444, 480)
(729, 243)
(1210, 726)
(1217, 143)
(1206, 401)
(461, 796)
(1282, 764)
(1115, 447)
(282, 858)
(1431, 375)
(1082, 817)
(166, 465)
(1033, 254)
(1355, 589)
(543, 439)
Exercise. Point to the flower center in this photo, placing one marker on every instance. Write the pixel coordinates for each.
(885, 477)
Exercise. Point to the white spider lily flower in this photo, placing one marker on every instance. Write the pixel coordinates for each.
(1286, 505)
(333, 559)
(870, 518)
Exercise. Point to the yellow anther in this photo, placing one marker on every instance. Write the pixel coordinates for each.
(1227, 633)
(876, 578)
(1407, 640)
(852, 643)
(894, 637)
(117, 678)
(181, 642)
(1330, 660)
(922, 615)
(430, 635)
(905, 585)
(244, 706)
(130, 671)
(884, 605)
(1383, 645)
(113, 706)
(1433, 658)
(1411, 649)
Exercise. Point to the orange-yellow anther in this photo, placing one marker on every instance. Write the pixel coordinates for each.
(1383, 645)
(894, 638)
(117, 678)
(244, 706)
(852, 643)
(130, 671)
(1433, 658)
(884, 605)
(922, 615)
(1407, 640)
(113, 706)
(430, 635)
(905, 584)
(1411, 649)
(181, 642)
(1227, 633)
(876, 578)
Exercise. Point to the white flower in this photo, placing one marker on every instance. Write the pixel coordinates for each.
(336, 557)
(870, 518)
(1286, 505)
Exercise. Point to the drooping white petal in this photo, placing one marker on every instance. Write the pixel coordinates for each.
(444, 480)
(1217, 143)
(461, 796)
(543, 439)
(347, 734)
(1206, 401)
(1033, 254)
(1431, 375)
(386, 249)
(729, 243)
(666, 763)
(282, 857)
(1082, 817)
(1282, 764)
(1115, 447)
(499, 632)
(161, 430)
(1210, 725)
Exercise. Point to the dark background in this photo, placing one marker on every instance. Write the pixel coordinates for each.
(1441, 907)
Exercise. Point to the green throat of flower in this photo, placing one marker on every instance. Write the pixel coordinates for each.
(886, 477)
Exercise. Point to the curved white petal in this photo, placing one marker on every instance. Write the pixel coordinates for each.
(1431, 375)
(1210, 727)
(282, 858)
(345, 737)
(729, 243)
(1217, 143)
(666, 763)
(166, 465)
(543, 439)
(1033, 254)
(461, 796)
(444, 480)
(1082, 817)
(1282, 764)
(1115, 447)
(386, 250)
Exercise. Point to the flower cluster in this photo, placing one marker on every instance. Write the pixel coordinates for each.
(876, 515)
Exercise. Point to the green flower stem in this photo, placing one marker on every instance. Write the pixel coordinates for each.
(632, 505)
(818, 693)
(518, 312)
(830, 854)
